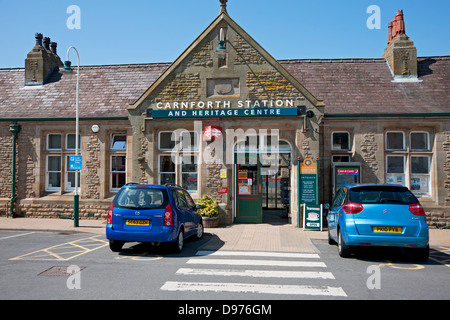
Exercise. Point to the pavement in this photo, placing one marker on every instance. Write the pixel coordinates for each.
(251, 237)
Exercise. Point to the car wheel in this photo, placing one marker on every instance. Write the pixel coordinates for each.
(200, 230)
(178, 245)
(115, 245)
(343, 249)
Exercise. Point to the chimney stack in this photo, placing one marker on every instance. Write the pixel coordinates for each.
(400, 53)
(41, 62)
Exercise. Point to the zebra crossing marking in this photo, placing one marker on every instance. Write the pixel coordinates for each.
(254, 288)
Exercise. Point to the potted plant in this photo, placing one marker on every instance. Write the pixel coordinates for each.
(209, 210)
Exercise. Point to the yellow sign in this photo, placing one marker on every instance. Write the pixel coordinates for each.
(308, 166)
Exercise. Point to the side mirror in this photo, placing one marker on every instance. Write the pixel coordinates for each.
(197, 206)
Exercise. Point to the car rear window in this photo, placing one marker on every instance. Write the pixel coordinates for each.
(382, 194)
(141, 198)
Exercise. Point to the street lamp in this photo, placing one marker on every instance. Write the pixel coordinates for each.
(76, 197)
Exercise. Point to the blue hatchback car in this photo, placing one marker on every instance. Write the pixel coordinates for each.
(152, 213)
(378, 215)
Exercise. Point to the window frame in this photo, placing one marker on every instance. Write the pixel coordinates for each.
(111, 172)
(47, 173)
(48, 142)
(403, 140)
(427, 141)
(348, 141)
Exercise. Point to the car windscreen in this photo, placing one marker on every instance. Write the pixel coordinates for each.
(381, 194)
(141, 198)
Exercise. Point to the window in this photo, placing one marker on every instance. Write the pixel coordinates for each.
(420, 141)
(395, 140)
(53, 173)
(395, 169)
(420, 175)
(408, 160)
(70, 141)
(166, 142)
(119, 142)
(189, 140)
(118, 173)
(118, 158)
(54, 142)
(58, 176)
(189, 169)
(166, 170)
(340, 141)
(178, 161)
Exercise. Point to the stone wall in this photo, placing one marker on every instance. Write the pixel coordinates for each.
(47, 208)
(5, 161)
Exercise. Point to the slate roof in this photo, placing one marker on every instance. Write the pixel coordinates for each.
(345, 85)
(365, 85)
(105, 91)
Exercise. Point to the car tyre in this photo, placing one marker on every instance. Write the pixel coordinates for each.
(200, 231)
(115, 245)
(343, 249)
(178, 244)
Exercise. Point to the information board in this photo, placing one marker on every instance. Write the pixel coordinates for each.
(75, 163)
(309, 182)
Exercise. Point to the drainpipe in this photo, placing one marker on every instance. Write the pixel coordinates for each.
(15, 129)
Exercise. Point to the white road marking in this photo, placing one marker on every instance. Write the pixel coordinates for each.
(245, 262)
(257, 273)
(254, 288)
(17, 235)
(258, 254)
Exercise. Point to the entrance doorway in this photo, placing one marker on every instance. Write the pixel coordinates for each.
(262, 180)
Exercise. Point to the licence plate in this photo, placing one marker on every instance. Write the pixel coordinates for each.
(388, 229)
(133, 222)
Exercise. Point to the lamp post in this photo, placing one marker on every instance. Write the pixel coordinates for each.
(76, 197)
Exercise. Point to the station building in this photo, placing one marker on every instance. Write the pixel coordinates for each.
(228, 120)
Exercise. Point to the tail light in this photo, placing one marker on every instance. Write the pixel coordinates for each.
(416, 209)
(352, 208)
(168, 216)
(110, 214)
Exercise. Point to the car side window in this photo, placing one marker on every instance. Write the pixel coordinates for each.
(190, 202)
(339, 199)
(180, 200)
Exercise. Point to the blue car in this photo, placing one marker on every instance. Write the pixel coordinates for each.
(378, 215)
(152, 213)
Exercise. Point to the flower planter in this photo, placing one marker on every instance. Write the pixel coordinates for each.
(212, 222)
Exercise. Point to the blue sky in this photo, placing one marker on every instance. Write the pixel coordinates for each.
(144, 31)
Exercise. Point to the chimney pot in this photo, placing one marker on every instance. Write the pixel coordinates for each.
(47, 43)
(53, 45)
(38, 37)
